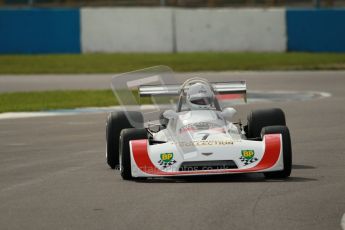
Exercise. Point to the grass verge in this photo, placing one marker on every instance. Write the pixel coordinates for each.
(115, 63)
(49, 100)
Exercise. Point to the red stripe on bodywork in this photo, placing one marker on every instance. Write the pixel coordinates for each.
(143, 161)
(229, 96)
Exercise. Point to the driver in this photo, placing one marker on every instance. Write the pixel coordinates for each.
(200, 96)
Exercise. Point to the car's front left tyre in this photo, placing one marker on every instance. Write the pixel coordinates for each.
(287, 151)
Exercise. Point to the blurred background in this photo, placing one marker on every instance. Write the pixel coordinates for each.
(171, 26)
(177, 3)
(78, 37)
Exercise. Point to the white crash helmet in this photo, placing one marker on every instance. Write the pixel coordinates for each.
(199, 96)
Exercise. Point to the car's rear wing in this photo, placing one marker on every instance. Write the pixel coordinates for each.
(223, 90)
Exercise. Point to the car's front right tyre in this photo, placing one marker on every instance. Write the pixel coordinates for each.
(126, 136)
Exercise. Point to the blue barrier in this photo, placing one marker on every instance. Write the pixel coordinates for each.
(39, 31)
(316, 30)
(34, 31)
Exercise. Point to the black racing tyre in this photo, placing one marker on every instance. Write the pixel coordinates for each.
(287, 151)
(117, 121)
(125, 158)
(260, 118)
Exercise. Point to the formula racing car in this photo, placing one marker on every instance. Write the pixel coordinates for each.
(198, 136)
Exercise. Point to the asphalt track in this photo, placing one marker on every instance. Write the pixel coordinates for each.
(43, 82)
(53, 173)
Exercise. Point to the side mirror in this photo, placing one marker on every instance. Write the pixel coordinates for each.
(228, 113)
(170, 114)
(154, 128)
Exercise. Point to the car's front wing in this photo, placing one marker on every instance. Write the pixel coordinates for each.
(269, 157)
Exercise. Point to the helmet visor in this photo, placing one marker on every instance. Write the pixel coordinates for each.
(201, 101)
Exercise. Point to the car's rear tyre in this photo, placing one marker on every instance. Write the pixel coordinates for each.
(260, 118)
(125, 155)
(287, 151)
(117, 121)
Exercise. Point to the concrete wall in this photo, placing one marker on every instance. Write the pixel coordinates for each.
(231, 30)
(167, 30)
(126, 30)
(316, 30)
(39, 31)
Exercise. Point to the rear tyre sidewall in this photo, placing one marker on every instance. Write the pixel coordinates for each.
(260, 118)
(287, 151)
(125, 156)
(116, 122)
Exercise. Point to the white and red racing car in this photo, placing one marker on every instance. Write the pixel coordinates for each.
(198, 137)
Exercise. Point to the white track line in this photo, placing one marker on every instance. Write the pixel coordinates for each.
(342, 222)
(25, 115)
(91, 110)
